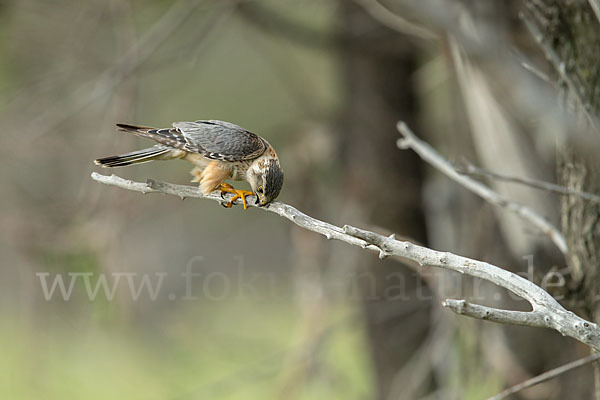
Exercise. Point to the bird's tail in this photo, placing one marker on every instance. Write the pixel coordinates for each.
(135, 157)
(168, 136)
(134, 128)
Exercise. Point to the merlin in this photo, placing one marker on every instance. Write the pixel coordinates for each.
(219, 151)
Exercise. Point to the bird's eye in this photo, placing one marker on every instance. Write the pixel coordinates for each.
(260, 189)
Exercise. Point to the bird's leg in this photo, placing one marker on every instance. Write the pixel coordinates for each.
(225, 185)
(238, 194)
(197, 174)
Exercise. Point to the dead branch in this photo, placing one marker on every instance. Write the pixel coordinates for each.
(546, 311)
(553, 373)
(470, 169)
(431, 156)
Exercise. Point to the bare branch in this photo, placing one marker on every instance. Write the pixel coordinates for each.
(394, 21)
(183, 191)
(595, 4)
(547, 312)
(522, 92)
(553, 373)
(472, 170)
(525, 318)
(560, 66)
(537, 72)
(431, 156)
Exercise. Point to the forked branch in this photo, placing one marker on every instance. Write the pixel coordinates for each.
(432, 157)
(546, 311)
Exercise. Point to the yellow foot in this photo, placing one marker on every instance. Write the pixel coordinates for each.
(238, 194)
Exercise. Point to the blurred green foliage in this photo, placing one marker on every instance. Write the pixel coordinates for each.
(226, 350)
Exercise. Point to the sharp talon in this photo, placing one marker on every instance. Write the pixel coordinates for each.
(227, 205)
(237, 194)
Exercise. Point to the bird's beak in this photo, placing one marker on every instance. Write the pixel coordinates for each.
(257, 200)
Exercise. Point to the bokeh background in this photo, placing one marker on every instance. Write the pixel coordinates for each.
(277, 312)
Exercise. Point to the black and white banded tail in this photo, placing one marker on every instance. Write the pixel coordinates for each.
(135, 157)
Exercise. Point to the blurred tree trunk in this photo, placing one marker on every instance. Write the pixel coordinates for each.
(572, 31)
(383, 182)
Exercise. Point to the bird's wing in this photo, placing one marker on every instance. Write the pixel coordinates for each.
(218, 140)
(169, 137)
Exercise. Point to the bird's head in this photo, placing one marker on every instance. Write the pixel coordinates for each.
(266, 179)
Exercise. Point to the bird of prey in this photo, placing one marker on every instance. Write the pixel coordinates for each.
(219, 150)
